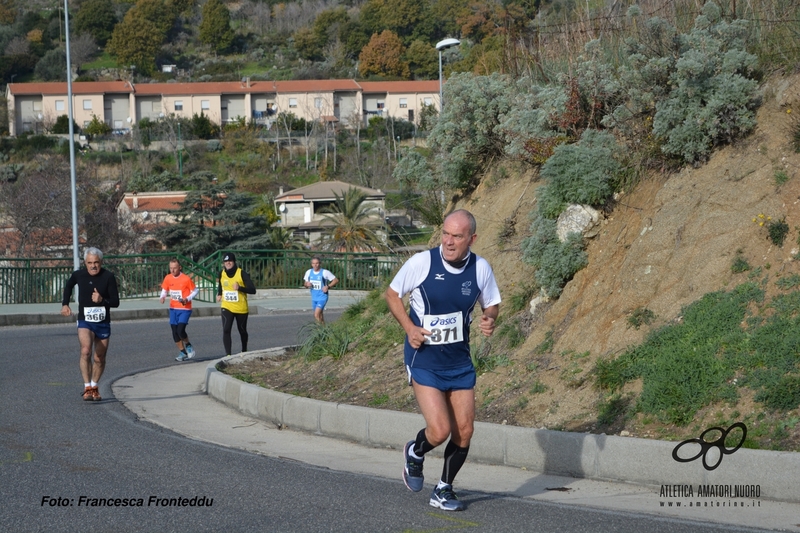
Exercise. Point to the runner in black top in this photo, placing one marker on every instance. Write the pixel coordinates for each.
(97, 294)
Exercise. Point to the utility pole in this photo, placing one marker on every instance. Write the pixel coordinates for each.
(180, 152)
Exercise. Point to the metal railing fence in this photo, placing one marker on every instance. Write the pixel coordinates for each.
(284, 269)
(42, 280)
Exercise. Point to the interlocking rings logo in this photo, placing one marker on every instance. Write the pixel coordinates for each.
(706, 446)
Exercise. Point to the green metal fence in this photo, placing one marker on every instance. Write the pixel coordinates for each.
(284, 269)
(42, 280)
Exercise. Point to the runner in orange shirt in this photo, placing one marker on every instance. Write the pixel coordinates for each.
(181, 289)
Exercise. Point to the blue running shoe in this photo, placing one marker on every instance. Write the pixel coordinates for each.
(189, 351)
(412, 471)
(182, 357)
(444, 498)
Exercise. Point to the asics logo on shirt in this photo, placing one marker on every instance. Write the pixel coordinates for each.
(443, 321)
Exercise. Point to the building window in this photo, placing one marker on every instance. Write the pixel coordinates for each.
(318, 103)
(428, 101)
(205, 104)
(37, 106)
(87, 104)
(292, 102)
(59, 105)
(381, 105)
(86, 123)
(178, 105)
(403, 103)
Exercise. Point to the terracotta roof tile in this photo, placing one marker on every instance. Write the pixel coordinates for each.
(78, 87)
(400, 86)
(223, 87)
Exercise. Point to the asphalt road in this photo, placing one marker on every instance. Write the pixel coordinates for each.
(59, 456)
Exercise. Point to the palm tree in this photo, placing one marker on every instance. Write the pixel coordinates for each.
(284, 239)
(354, 224)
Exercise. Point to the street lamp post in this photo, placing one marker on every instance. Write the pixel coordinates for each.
(441, 46)
(180, 152)
(72, 173)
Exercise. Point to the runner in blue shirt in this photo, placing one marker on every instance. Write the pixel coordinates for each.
(319, 280)
(444, 285)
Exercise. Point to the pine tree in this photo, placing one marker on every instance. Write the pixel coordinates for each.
(215, 29)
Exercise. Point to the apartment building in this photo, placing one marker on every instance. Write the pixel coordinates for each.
(34, 107)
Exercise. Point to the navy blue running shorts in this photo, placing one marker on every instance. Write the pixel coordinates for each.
(462, 378)
(101, 330)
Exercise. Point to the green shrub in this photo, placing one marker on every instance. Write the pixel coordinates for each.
(641, 316)
(547, 343)
(781, 177)
(466, 135)
(556, 262)
(97, 127)
(580, 173)
(784, 396)
(740, 264)
(697, 87)
(537, 387)
(320, 340)
(62, 125)
(512, 332)
(788, 282)
(777, 231)
(201, 127)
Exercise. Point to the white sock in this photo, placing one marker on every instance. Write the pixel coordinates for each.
(94, 384)
(87, 385)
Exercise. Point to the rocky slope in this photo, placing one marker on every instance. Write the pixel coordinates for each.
(661, 247)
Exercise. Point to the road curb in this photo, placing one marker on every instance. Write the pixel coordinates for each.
(143, 314)
(581, 455)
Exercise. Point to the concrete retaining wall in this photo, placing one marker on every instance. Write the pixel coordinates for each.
(581, 455)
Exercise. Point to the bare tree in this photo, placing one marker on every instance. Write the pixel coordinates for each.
(286, 120)
(102, 223)
(256, 16)
(83, 49)
(38, 204)
(17, 47)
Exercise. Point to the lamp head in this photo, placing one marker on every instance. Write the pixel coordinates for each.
(447, 43)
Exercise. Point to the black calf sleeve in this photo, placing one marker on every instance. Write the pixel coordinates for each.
(454, 458)
(422, 446)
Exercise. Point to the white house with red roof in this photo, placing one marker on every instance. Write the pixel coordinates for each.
(303, 209)
(33, 107)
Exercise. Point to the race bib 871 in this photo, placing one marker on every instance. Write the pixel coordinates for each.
(445, 329)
